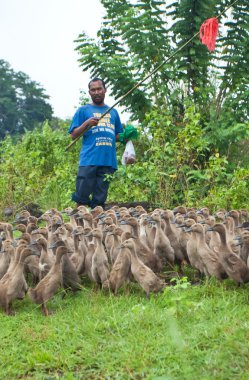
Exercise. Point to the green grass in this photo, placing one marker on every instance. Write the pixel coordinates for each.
(188, 332)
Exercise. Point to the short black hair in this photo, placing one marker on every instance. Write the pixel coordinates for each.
(95, 80)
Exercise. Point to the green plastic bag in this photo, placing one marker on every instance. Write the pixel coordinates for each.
(130, 133)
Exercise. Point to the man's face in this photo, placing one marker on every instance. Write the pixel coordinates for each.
(97, 92)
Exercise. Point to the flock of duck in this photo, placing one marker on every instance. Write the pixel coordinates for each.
(115, 247)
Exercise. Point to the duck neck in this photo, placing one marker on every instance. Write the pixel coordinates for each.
(135, 230)
(21, 262)
(9, 233)
(73, 221)
(76, 241)
(59, 255)
(223, 238)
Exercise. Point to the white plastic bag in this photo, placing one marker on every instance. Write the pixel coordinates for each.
(129, 155)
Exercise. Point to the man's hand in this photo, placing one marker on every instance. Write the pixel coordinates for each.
(89, 123)
(92, 121)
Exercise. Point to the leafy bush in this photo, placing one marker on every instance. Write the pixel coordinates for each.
(36, 168)
(176, 163)
(181, 164)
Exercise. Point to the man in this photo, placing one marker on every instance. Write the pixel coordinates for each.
(98, 152)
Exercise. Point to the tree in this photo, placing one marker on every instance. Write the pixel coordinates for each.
(23, 102)
(192, 61)
(229, 110)
(133, 40)
(234, 88)
(136, 36)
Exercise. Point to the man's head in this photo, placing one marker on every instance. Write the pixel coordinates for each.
(97, 91)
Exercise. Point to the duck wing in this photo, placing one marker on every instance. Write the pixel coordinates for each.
(234, 262)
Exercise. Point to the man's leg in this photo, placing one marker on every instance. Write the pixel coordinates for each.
(102, 185)
(85, 184)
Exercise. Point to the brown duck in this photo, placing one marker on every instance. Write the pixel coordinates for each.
(11, 286)
(47, 258)
(207, 255)
(144, 253)
(162, 247)
(235, 268)
(49, 285)
(146, 278)
(121, 271)
(70, 278)
(100, 265)
(80, 250)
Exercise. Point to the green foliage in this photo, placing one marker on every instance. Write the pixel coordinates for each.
(23, 102)
(180, 164)
(175, 298)
(175, 163)
(226, 130)
(232, 193)
(37, 169)
(134, 183)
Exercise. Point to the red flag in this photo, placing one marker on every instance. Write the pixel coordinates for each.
(209, 32)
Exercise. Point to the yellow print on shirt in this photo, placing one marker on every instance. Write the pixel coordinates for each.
(104, 143)
(105, 122)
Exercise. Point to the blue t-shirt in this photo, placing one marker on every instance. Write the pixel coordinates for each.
(99, 143)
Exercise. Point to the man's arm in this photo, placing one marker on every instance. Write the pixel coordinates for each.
(78, 131)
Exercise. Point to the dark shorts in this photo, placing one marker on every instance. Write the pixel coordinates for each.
(91, 185)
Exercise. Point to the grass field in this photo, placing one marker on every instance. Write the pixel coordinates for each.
(188, 332)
